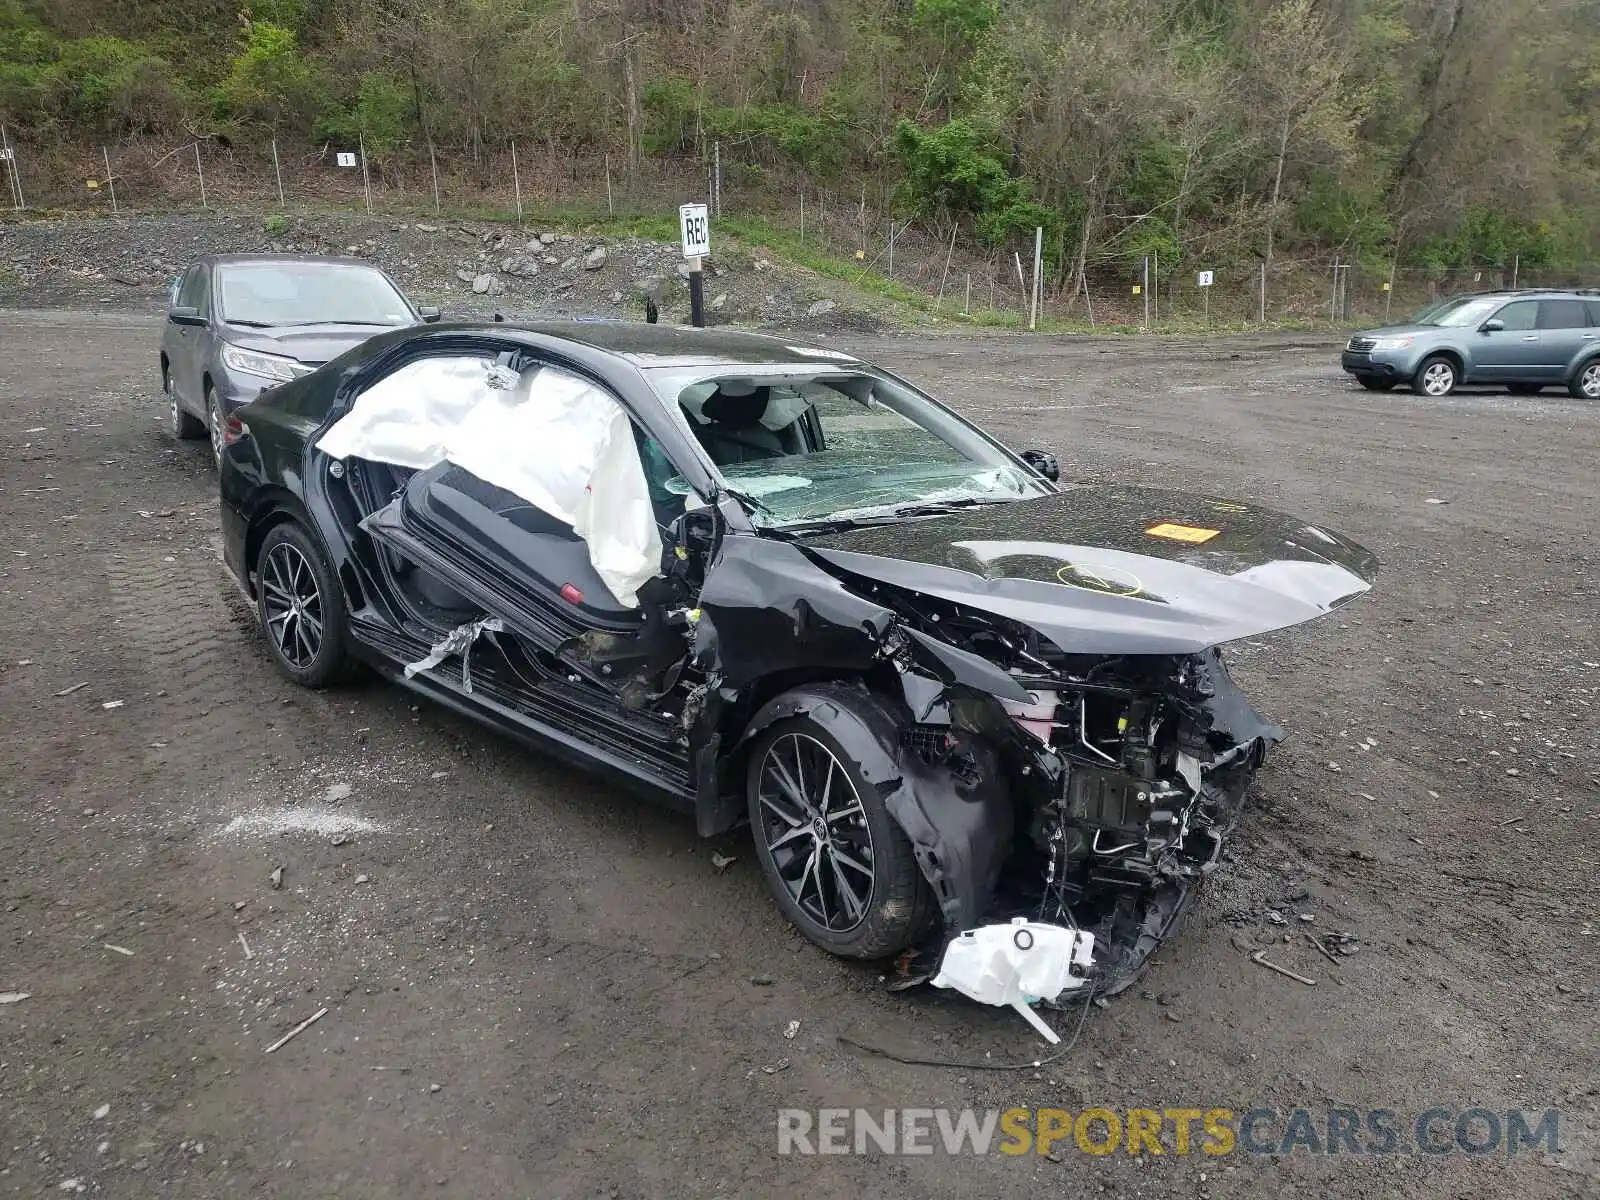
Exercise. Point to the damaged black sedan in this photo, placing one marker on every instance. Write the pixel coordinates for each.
(774, 584)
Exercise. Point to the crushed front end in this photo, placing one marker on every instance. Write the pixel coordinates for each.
(1125, 774)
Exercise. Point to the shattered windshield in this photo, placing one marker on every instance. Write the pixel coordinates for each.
(804, 444)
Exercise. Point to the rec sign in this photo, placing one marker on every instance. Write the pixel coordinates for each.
(695, 226)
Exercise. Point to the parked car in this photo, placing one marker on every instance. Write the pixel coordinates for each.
(774, 584)
(239, 324)
(1523, 339)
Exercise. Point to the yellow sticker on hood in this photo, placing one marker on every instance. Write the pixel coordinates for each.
(1182, 533)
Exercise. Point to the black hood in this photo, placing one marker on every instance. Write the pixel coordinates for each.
(310, 344)
(1104, 569)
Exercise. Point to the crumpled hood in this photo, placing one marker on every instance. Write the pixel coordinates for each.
(1105, 569)
(310, 344)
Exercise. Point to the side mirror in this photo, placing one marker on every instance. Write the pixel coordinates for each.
(184, 314)
(1043, 463)
(1492, 325)
(428, 313)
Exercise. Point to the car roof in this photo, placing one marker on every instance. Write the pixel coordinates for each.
(231, 260)
(646, 345)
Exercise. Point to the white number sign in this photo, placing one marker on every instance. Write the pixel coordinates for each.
(695, 226)
(345, 158)
(5, 153)
(1205, 278)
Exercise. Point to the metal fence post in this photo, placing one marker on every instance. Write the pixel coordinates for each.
(516, 183)
(10, 156)
(111, 184)
(366, 183)
(433, 165)
(201, 172)
(1144, 291)
(278, 172)
(1263, 318)
(611, 207)
(802, 216)
(716, 177)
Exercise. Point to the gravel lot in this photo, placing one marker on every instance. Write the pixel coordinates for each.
(539, 986)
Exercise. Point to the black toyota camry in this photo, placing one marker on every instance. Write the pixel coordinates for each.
(773, 584)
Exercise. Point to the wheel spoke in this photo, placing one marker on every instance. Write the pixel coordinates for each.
(799, 768)
(312, 624)
(794, 834)
(853, 863)
(787, 784)
(788, 818)
(853, 903)
(275, 591)
(827, 787)
(854, 810)
(814, 867)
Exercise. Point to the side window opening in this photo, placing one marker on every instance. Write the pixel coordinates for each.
(1520, 316)
(189, 292)
(1562, 314)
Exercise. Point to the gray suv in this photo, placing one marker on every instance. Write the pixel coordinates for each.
(240, 324)
(1525, 340)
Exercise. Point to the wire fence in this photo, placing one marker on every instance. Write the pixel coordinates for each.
(843, 232)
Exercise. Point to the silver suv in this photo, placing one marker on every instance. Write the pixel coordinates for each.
(1525, 340)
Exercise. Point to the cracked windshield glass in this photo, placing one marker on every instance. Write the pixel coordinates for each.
(803, 446)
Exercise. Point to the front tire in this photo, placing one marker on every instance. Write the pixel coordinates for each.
(1585, 384)
(838, 865)
(1375, 385)
(179, 423)
(214, 426)
(1437, 376)
(301, 607)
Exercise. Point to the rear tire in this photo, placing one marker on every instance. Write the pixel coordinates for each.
(1585, 384)
(1375, 385)
(844, 874)
(301, 608)
(179, 423)
(1436, 377)
(1524, 389)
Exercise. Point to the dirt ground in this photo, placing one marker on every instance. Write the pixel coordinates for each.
(537, 985)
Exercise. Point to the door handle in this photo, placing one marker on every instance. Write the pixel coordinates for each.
(1530, 337)
(1588, 337)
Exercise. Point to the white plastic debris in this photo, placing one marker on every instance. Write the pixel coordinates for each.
(458, 641)
(1017, 965)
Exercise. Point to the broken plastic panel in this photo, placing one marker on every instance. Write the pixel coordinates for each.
(1017, 965)
(554, 439)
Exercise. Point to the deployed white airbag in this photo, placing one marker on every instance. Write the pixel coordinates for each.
(405, 418)
(554, 439)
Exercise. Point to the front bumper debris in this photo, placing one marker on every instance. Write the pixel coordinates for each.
(1017, 965)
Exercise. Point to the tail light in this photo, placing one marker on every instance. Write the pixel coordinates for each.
(233, 429)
